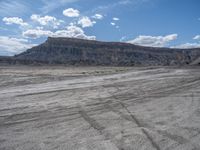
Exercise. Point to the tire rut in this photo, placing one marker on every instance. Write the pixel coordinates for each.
(133, 119)
(100, 129)
(179, 139)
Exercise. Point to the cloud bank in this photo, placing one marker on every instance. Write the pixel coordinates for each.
(14, 20)
(70, 31)
(14, 45)
(46, 20)
(154, 41)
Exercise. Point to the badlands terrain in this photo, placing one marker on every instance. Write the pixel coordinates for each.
(99, 108)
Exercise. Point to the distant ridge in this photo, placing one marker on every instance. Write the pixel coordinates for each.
(73, 51)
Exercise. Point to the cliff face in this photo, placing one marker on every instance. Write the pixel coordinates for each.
(85, 52)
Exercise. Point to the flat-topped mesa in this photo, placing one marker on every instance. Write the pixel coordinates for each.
(65, 40)
(59, 50)
(115, 45)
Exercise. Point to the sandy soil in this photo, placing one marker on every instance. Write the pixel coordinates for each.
(99, 108)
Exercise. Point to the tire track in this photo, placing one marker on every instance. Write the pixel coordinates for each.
(100, 129)
(176, 138)
(133, 119)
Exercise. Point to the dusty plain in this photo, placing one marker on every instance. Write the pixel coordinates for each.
(99, 108)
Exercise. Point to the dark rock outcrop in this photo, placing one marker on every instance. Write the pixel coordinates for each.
(87, 52)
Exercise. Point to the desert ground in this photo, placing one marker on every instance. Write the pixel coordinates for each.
(99, 108)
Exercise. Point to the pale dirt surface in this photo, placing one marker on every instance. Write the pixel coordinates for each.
(99, 108)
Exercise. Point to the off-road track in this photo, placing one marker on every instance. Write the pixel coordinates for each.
(103, 109)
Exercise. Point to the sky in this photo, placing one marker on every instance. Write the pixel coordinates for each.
(157, 23)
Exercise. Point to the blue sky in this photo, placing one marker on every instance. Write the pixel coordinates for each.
(158, 23)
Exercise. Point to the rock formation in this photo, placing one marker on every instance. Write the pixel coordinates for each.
(72, 51)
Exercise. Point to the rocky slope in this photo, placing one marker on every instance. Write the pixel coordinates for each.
(86, 52)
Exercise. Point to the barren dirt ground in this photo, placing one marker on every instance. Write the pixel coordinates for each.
(99, 108)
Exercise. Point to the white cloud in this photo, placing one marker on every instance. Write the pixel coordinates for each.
(14, 20)
(73, 32)
(70, 12)
(188, 45)
(37, 33)
(97, 16)
(112, 23)
(197, 37)
(46, 20)
(13, 45)
(86, 22)
(155, 41)
(116, 19)
(70, 31)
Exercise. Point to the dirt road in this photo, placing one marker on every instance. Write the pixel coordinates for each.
(63, 108)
